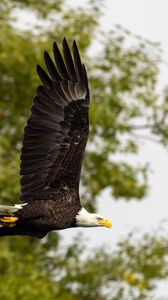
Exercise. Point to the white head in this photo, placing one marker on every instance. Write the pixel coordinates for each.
(86, 219)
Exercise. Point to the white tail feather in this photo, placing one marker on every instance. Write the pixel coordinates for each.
(7, 209)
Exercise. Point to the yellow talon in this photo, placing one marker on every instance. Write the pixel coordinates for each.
(8, 219)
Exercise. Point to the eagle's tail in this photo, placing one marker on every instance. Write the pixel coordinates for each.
(6, 210)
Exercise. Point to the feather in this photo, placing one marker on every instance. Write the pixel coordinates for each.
(43, 76)
(51, 67)
(68, 60)
(78, 64)
(59, 62)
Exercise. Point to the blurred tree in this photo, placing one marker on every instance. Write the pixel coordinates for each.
(130, 271)
(125, 108)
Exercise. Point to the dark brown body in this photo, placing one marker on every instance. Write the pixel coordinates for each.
(38, 217)
(53, 213)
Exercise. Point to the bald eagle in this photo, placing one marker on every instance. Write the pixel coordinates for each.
(54, 142)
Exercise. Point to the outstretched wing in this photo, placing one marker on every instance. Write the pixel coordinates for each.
(56, 133)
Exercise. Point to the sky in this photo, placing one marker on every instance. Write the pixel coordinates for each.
(149, 19)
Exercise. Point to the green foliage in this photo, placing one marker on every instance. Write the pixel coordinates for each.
(42, 8)
(124, 104)
(25, 260)
(131, 270)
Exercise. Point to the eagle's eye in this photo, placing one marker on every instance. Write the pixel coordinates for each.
(99, 219)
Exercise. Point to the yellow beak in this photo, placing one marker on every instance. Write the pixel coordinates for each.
(105, 223)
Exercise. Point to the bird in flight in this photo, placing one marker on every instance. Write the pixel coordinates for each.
(54, 143)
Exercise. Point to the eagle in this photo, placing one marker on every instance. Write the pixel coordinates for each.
(54, 143)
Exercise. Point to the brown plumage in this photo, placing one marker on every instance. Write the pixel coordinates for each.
(54, 142)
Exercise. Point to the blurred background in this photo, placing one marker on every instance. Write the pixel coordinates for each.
(124, 45)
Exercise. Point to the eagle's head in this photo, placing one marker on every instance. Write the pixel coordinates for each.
(86, 219)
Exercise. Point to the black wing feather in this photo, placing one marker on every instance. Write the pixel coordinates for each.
(59, 62)
(56, 133)
(69, 60)
(51, 67)
(78, 64)
(43, 76)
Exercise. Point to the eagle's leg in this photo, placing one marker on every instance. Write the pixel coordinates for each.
(8, 221)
